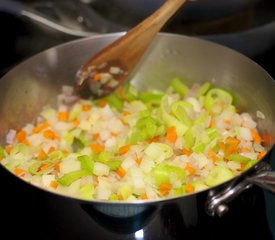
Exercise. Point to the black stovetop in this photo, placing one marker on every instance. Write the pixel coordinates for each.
(251, 216)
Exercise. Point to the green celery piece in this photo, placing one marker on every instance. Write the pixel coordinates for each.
(217, 95)
(249, 164)
(178, 110)
(146, 127)
(218, 175)
(68, 178)
(79, 143)
(20, 148)
(212, 133)
(33, 169)
(170, 120)
(113, 197)
(238, 158)
(86, 163)
(151, 97)
(115, 102)
(198, 148)
(2, 152)
(189, 138)
(103, 157)
(179, 191)
(203, 89)
(87, 191)
(130, 92)
(75, 111)
(179, 87)
(199, 185)
(163, 173)
(161, 130)
(52, 159)
(113, 164)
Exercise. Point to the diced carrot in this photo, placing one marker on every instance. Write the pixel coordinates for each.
(97, 77)
(21, 136)
(268, 138)
(52, 149)
(121, 172)
(19, 171)
(188, 168)
(189, 188)
(49, 134)
(261, 154)
(244, 150)
(119, 197)
(243, 165)
(95, 136)
(65, 152)
(113, 134)
(54, 184)
(256, 137)
(102, 103)
(97, 148)
(186, 151)
(126, 113)
(42, 155)
(232, 140)
(231, 145)
(63, 116)
(227, 123)
(75, 122)
(86, 108)
(57, 167)
(45, 166)
(124, 149)
(165, 188)
(143, 196)
(137, 159)
(211, 154)
(96, 181)
(171, 134)
(212, 123)
(221, 146)
(40, 127)
(8, 149)
(154, 139)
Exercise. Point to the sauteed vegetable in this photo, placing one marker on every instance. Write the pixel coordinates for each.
(135, 145)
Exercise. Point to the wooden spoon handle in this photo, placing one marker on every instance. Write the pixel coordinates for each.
(133, 44)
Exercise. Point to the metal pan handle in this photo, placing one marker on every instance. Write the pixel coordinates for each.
(260, 175)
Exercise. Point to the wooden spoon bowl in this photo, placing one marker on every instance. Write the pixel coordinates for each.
(110, 67)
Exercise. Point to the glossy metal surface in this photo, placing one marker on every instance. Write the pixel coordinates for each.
(36, 82)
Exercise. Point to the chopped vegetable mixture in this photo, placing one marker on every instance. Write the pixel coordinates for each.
(134, 145)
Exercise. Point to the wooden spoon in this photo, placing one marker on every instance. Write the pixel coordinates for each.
(111, 66)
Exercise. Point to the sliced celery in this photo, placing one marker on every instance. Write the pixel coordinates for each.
(178, 110)
(170, 120)
(203, 89)
(218, 175)
(115, 102)
(238, 158)
(68, 178)
(130, 92)
(87, 191)
(216, 99)
(179, 87)
(2, 152)
(113, 164)
(86, 163)
(151, 97)
(164, 174)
